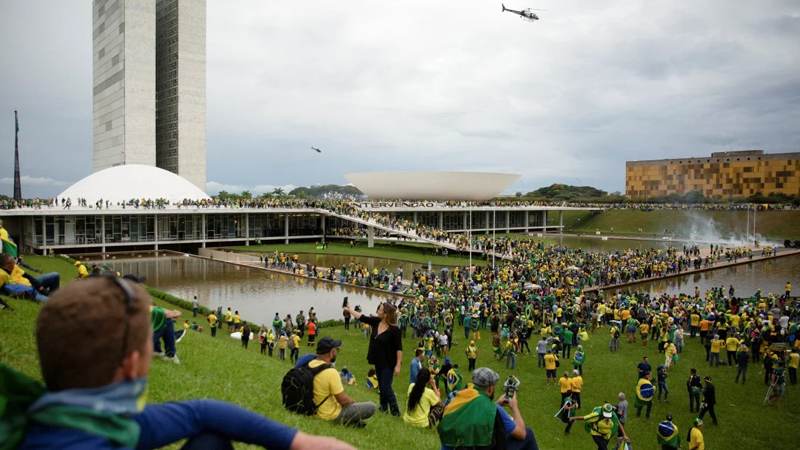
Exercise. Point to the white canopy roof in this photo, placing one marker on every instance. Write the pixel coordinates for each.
(133, 181)
(476, 186)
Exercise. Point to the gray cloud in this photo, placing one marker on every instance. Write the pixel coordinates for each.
(437, 85)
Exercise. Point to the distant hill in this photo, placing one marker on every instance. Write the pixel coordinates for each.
(567, 192)
(326, 191)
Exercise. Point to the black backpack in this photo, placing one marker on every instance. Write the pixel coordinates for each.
(297, 389)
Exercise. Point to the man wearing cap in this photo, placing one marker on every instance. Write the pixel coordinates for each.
(83, 272)
(334, 404)
(15, 282)
(95, 392)
(576, 386)
(696, 441)
(473, 419)
(667, 434)
(603, 425)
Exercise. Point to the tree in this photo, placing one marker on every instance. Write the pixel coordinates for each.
(278, 191)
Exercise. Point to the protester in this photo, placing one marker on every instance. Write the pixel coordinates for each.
(644, 395)
(385, 351)
(333, 404)
(16, 283)
(695, 387)
(473, 419)
(94, 402)
(424, 408)
(667, 434)
(695, 438)
(603, 425)
(163, 326)
(709, 400)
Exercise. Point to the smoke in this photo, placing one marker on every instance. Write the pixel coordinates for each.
(703, 229)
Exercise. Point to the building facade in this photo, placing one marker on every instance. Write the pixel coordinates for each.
(181, 88)
(723, 175)
(149, 92)
(124, 84)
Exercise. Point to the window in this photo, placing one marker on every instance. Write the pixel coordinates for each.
(115, 60)
(122, 27)
(101, 53)
(108, 126)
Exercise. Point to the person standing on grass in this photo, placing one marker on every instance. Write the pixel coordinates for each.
(213, 323)
(294, 347)
(794, 363)
(92, 403)
(695, 437)
(564, 387)
(603, 425)
(695, 388)
(312, 332)
(667, 434)
(270, 342)
(644, 396)
(541, 350)
(262, 340)
(576, 386)
(245, 335)
(661, 374)
(709, 400)
(742, 360)
(550, 366)
(579, 359)
(472, 355)
(195, 306)
(385, 351)
(416, 365)
(283, 342)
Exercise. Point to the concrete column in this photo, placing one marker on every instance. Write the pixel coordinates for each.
(441, 220)
(526, 221)
(323, 227)
(488, 217)
(466, 219)
(286, 228)
(203, 229)
(155, 229)
(44, 235)
(103, 236)
(415, 218)
(247, 229)
(544, 221)
(561, 222)
(370, 237)
(508, 221)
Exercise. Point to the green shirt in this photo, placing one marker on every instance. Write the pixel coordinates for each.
(158, 318)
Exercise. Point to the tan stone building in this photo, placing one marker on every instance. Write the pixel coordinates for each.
(722, 175)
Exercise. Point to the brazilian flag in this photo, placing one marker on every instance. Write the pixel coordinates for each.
(454, 381)
(591, 419)
(668, 434)
(10, 248)
(645, 391)
(468, 420)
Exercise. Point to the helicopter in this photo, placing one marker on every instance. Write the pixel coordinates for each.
(526, 14)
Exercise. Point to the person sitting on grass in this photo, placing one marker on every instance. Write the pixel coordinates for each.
(96, 387)
(424, 408)
(16, 283)
(333, 404)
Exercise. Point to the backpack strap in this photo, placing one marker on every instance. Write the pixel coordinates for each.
(314, 372)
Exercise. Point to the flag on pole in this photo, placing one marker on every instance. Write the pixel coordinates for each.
(17, 183)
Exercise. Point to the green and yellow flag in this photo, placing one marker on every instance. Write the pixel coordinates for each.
(468, 420)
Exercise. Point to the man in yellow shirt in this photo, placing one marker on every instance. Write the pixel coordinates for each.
(716, 347)
(334, 404)
(565, 387)
(83, 272)
(696, 436)
(794, 363)
(212, 323)
(550, 360)
(576, 386)
(731, 345)
(15, 282)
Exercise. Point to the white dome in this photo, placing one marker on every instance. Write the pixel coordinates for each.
(133, 181)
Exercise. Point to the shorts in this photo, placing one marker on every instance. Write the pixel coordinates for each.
(311, 338)
(551, 373)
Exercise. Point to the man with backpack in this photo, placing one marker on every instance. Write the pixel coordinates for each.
(316, 389)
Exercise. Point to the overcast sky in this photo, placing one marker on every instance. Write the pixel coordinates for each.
(427, 84)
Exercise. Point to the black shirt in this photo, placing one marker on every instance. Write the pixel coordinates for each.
(383, 347)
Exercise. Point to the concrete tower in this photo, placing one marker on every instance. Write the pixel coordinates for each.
(124, 44)
(181, 88)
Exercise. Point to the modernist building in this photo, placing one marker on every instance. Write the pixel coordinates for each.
(149, 85)
(724, 175)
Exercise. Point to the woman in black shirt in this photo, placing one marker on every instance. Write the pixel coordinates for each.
(385, 351)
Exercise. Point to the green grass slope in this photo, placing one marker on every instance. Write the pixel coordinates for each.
(220, 368)
(775, 225)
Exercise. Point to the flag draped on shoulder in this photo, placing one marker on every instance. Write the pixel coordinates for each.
(468, 420)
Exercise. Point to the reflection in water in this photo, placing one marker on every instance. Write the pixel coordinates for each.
(768, 276)
(370, 262)
(257, 294)
(610, 245)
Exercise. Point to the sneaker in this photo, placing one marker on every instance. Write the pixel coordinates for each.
(180, 335)
(159, 354)
(173, 359)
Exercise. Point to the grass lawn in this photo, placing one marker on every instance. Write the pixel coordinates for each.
(776, 225)
(219, 368)
(414, 253)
